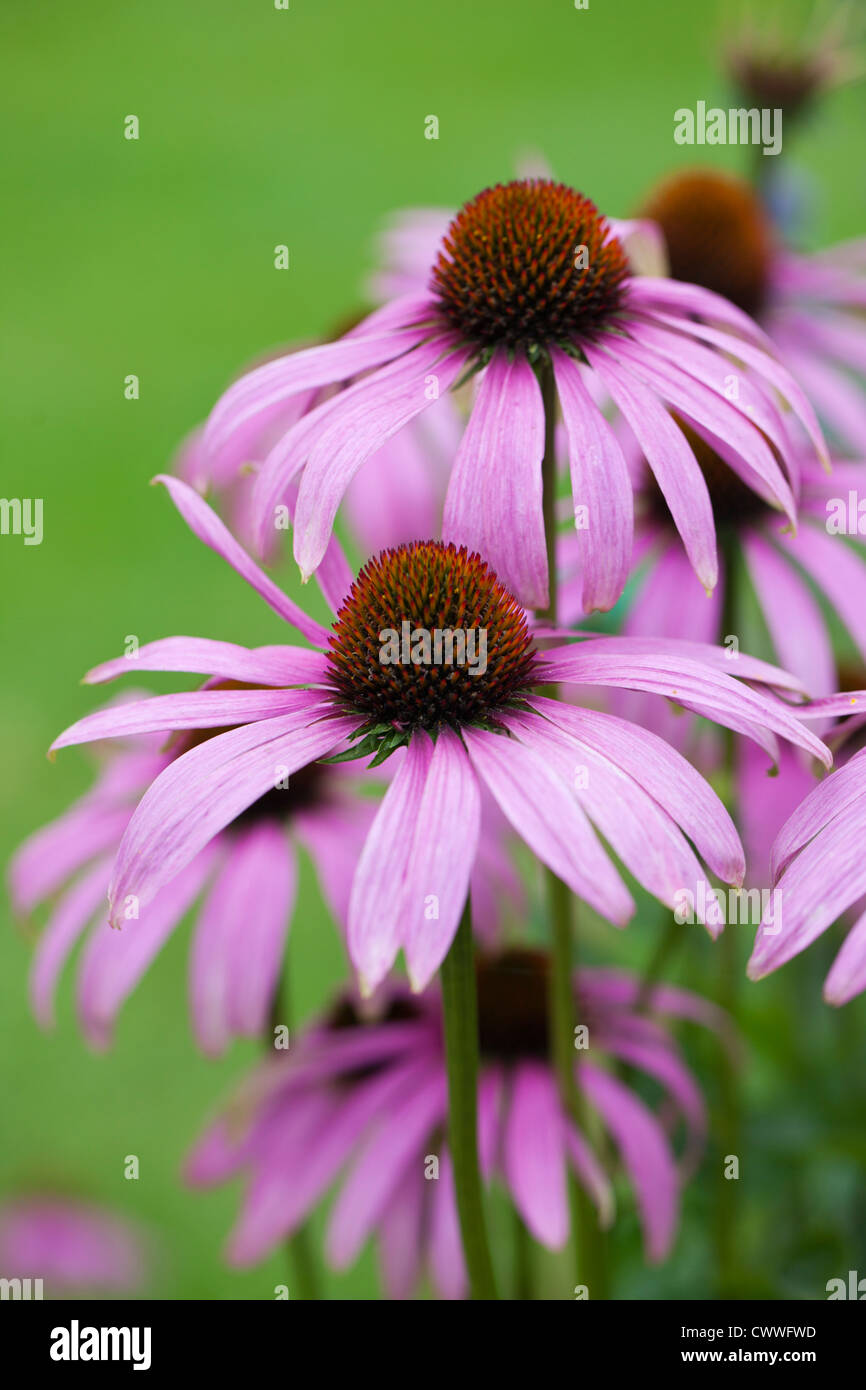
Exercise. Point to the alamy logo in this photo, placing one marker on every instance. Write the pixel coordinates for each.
(22, 516)
(444, 646)
(21, 1290)
(855, 1288)
(76, 1343)
(716, 908)
(738, 126)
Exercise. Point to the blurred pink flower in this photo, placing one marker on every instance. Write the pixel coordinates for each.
(365, 1094)
(74, 1247)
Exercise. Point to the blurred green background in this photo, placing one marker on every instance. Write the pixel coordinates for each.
(261, 126)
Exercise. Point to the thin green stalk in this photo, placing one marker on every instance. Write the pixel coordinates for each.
(587, 1236)
(302, 1261)
(669, 941)
(524, 1281)
(460, 1009)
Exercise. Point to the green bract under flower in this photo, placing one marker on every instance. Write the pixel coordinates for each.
(529, 262)
(428, 637)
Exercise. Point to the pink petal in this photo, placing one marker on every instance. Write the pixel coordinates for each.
(256, 666)
(73, 911)
(494, 503)
(545, 813)
(360, 421)
(645, 1153)
(535, 1167)
(197, 709)
(250, 405)
(205, 789)
(676, 470)
(600, 482)
(114, 961)
(237, 949)
(206, 525)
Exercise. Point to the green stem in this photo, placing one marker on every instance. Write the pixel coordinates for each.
(668, 942)
(460, 1008)
(587, 1237)
(524, 1283)
(302, 1262)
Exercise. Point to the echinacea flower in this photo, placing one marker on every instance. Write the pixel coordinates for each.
(246, 876)
(364, 1094)
(76, 1248)
(467, 725)
(777, 65)
(819, 867)
(530, 279)
(719, 236)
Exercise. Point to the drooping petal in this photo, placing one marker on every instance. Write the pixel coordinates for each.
(114, 961)
(384, 1163)
(534, 1157)
(237, 949)
(252, 404)
(645, 1153)
(301, 1163)
(840, 572)
(690, 684)
(669, 602)
(847, 975)
(440, 859)
(377, 902)
(196, 709)
(796, 624)
(493, 505)
(837, 795)
(708, 411)
(206, 525)
(591, 1175)
(71, 915)
(361, 420)
(401, 1238)
(685, 300)
(675, 467)
(644, 836)
(55, 851)
(447, 1267)
(545, 813)
(767, 366)
(205, 789)
(810, 895)
(601, 483)
(665, 774)
(253, 665)
(766, 797)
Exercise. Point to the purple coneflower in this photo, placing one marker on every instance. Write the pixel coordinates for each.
(467, 726)
(532, 286)
(819, 866)
(719, 236)
(246, 875)
(776, 65)
(365, 1093)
